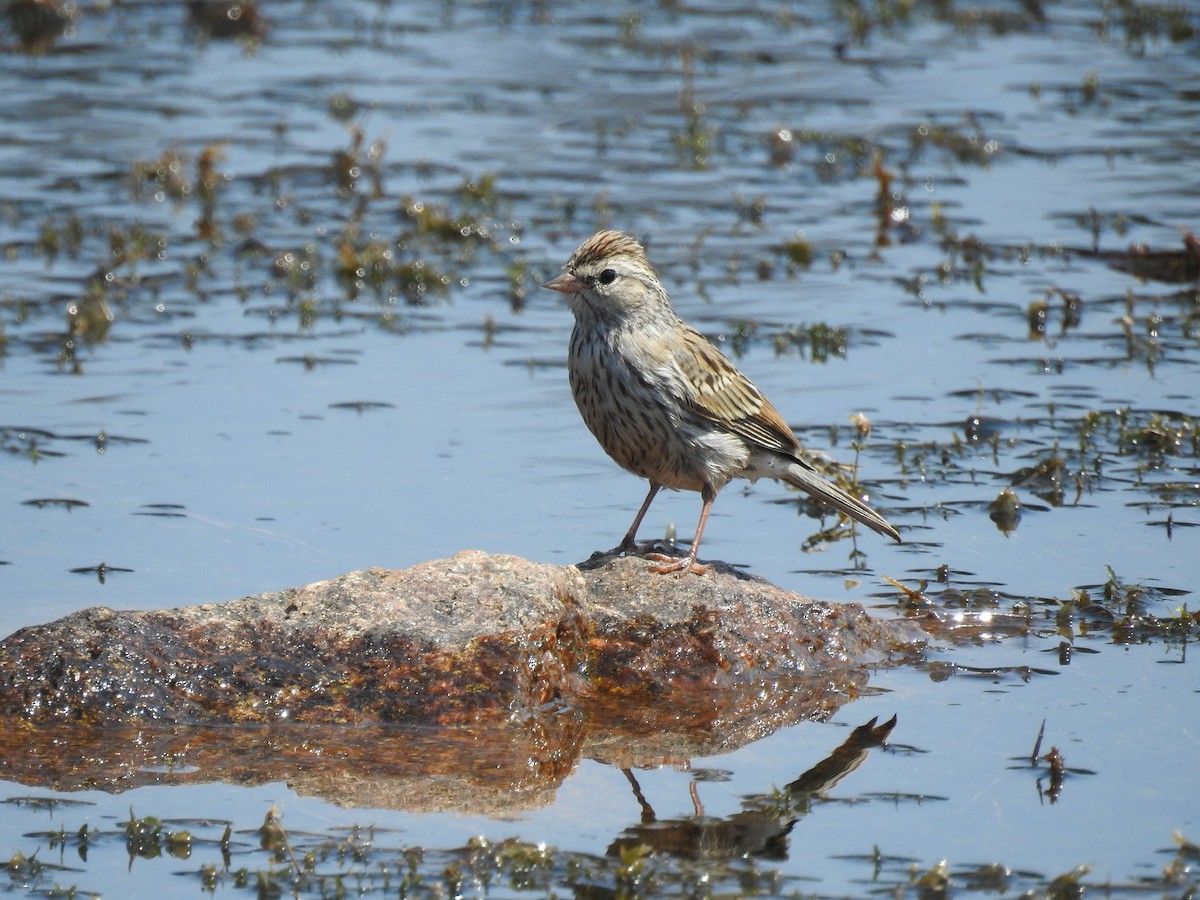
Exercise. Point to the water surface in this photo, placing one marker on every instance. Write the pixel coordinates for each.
(865, 213)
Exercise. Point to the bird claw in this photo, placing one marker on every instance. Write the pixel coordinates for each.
(680, 567)
(618, 551)
(677, 565)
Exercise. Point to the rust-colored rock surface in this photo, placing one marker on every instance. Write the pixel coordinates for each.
(502, 665)
(441, 642)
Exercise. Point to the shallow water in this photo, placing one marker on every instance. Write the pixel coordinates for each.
(262, 427)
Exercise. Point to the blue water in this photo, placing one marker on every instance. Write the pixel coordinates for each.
(475, 441)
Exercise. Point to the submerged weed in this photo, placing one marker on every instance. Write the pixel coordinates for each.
(817, 342)
(1114, 611)
(694, 140)
(415, 265)
(1141, 23)
(798, 253)
(358, 860)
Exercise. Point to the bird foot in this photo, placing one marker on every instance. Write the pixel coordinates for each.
(619, 550)
(680, 567)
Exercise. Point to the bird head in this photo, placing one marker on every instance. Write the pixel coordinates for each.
(609, 277)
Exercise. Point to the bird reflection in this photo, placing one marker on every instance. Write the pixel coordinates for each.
(762, 827)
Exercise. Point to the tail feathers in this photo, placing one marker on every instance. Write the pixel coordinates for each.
(799, 475)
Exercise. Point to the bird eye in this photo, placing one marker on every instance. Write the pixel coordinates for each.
(608, 276)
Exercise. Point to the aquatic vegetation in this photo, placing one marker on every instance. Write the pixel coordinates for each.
(210, 855)
(358, 169)
(1005, 511)
(417, 265)
(38, 24)
(1024, 359)
(1142, 23)
(55, 238)
(964, 141)
(1136, 23)
(226, 19)
(1132, 613)
(816, 342)
(383, 268)
(694, 140)
(1112, 611)
(798, 253)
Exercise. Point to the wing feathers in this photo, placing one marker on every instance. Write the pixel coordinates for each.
(723, 395)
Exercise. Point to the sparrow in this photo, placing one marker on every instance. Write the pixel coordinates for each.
(664, 403)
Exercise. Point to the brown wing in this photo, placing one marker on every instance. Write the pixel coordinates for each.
(725, 396)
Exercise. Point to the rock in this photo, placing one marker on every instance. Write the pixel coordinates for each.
(442, 642)
(538, 664)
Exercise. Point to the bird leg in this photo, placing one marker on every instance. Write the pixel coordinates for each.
(629, 542)
(688, 563)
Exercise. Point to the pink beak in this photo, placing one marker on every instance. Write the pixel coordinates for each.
(566, 283)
